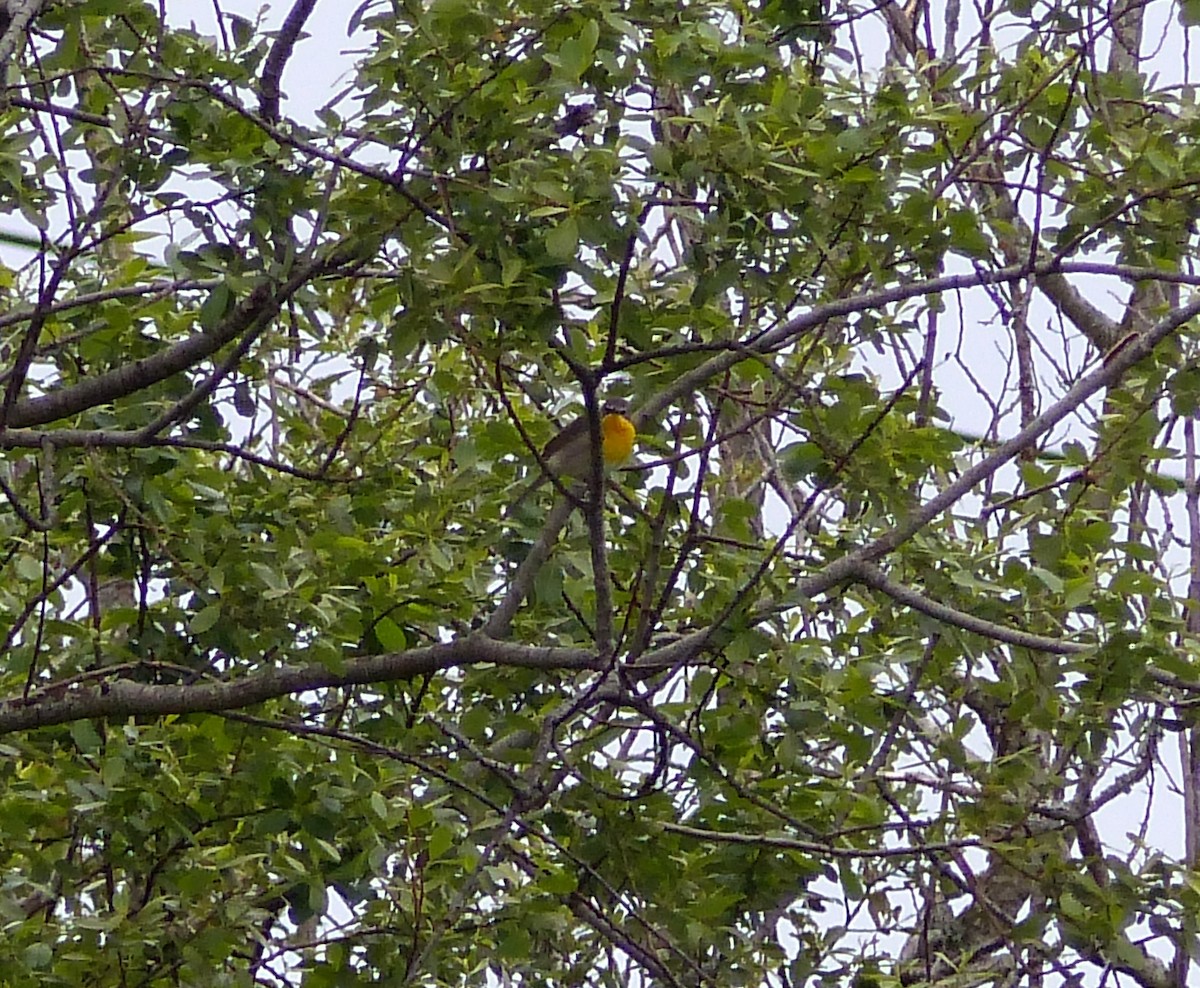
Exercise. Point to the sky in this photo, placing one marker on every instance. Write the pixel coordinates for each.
(320, 63)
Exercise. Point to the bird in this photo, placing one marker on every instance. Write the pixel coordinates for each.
(569, 453)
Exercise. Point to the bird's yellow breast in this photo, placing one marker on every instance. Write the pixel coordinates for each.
(618, 435)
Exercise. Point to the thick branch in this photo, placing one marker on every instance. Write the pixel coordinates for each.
(874, 577)
(261, 305)
(20, 14)
(1099, 328)
(123, 698)
(500, 622)
(281, 51)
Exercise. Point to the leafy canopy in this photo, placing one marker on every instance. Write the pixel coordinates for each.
(294, 693)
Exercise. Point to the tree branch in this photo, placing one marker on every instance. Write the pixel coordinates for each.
(874, 577)
(848, 567)
(19, 15)
(260, 306)
(123, 698)
(281, 51)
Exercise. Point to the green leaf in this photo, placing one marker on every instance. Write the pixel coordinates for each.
(391, 636)
(37, 956)
(215, 306)
(562, 241)
(515, 944)
(575, 56)
(441, 839)
(205, 619)
(85, 736)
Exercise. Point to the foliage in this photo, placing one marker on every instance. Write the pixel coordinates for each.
(836, 685)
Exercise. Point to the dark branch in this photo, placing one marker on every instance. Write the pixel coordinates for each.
(281, 51)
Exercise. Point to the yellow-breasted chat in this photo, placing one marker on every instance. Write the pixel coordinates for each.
(568, 455)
